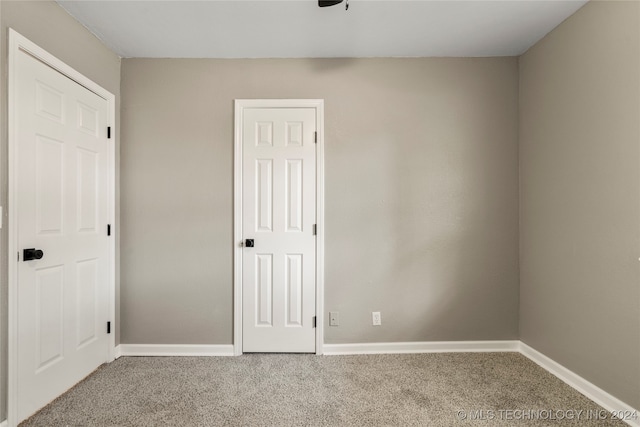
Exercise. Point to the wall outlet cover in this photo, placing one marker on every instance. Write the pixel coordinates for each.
(376, 318)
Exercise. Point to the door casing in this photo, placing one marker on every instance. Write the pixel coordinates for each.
(240, 106)
(19, 43)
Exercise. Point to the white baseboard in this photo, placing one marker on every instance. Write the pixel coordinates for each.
(592, 391)
(173, 350)
(421, 347)
(116, 354)
(4, 423)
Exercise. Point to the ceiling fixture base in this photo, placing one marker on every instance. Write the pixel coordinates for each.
(327, 3)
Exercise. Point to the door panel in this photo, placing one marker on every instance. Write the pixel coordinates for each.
(49, 181)
(61, 204)
(49, 334)
(264, 196)
(87, 282)
(279, 210)
(87, 162)
(293, 290)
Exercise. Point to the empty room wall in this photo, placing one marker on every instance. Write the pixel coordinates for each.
(421, 195)
(580, 196)
(49, 26)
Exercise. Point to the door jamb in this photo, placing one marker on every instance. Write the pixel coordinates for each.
(18, 43)
(240, 106)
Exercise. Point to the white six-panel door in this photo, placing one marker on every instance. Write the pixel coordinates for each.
(279, 213)
(62, 209)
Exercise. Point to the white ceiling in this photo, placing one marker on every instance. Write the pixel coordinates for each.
(300, 29)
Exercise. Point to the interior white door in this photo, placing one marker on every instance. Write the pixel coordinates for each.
(279, 213)
(62, 207)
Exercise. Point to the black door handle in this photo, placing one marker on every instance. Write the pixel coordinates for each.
(31, 254)
(248, 243)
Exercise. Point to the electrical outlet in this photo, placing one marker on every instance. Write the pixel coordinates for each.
(334, 318)
(376, 318)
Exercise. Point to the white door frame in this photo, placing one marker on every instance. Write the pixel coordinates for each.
(240, 106)
(19, 43)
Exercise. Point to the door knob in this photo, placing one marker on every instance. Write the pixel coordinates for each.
(31, 254)
(248, 243)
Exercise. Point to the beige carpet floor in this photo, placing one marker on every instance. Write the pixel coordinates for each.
(445, 389)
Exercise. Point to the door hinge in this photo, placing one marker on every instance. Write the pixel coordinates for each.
(108, 327)
(18, 255)
(315, 229)
(315, 137)
(108, 132)
(108, 229)
(314, 321)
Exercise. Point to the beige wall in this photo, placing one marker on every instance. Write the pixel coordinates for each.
(580, 196)
(48, 25)
(421, 194)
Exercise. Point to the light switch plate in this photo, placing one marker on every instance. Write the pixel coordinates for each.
(334, 318)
